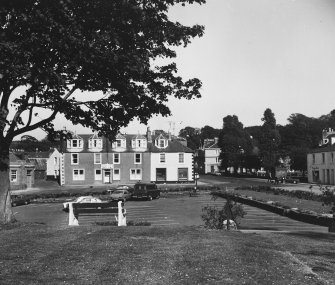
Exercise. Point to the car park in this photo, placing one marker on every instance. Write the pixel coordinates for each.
(120, 195)
(17, 200)
(81, 199)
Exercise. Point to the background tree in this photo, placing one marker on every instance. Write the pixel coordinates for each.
(208, 132)
(192, 136)
(51, 50)
(269, 141)
(234, 142)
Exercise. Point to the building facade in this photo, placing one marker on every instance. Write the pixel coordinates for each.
(212, 154)
(93, 160)
(21, 173)
(321, 161)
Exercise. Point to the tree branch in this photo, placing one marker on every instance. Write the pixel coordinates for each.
(13, 133)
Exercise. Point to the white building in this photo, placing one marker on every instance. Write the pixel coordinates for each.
(212, 154)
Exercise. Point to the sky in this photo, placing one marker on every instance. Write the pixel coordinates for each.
(254, 55)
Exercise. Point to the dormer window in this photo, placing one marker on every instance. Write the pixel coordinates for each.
(75, 144)
(139, 143)
(161, 142)
(120, 143)
(95, 143)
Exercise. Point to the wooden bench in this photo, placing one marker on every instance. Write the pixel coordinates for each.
(75, 209)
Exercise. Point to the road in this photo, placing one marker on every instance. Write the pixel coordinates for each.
(180, 210)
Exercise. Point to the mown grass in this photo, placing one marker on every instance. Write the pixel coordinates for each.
(292, 202)
(34, 254)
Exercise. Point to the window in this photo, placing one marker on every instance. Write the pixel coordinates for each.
(332, 156)
(76, 143)
(139, 143)
(118, 143)
(161, 143)
(78, 174)
(29, 172)
(97, 158)
(181, 158)
(138, 158)
(74, 158)
(313, 157)
(136, 174)
(162, 158)
(182, 174)
(116, 174)
(323, 158)
(116, 158)
(98, 174)
(55, 160)
(95, 142)
(13, 176)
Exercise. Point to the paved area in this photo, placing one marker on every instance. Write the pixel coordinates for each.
(178, 211)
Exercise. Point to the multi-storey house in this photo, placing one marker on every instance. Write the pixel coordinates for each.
(94, 160)
(212, 154)
(321, 161)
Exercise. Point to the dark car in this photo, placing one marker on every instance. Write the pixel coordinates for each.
(17, 200)
(146, 191)
(121, 187)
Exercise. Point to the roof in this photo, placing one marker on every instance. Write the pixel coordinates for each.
(328, 148)
(40, 154)
(40, 163)
(174, 145)
(211, 143)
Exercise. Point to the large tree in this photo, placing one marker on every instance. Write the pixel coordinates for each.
(51, 50)
(234, 142)
(269, 141)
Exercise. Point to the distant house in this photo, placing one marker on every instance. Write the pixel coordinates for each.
(47, 163)
(94, 160)
(21, 173)
(212, 155)
(321, 161)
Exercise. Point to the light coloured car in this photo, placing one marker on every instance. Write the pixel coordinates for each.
(120, 195)
(81, 199)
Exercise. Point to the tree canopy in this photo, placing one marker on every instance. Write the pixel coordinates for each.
(54, 48)
(54, 51)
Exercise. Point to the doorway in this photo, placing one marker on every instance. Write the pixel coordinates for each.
(107, 176)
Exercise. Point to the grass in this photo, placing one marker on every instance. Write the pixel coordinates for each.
(307, 205)
(35, 254)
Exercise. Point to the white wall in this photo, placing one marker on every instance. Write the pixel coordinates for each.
(51, 165)
(171, 164)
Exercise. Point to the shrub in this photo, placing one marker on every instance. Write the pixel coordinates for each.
(213, 217)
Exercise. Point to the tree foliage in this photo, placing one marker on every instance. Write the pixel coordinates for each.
(52, 51)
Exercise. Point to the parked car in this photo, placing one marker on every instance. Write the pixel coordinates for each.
(17, 200)
(291, 179)
(146, 190)
(121, 187)
(81, 199)
(120, 195)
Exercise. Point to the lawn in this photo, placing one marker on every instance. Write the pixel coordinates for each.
(291, 202)
(36, 254)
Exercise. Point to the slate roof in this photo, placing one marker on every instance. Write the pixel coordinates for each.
(328, 148)
(210, 143)
(40, 163)
(173, 145)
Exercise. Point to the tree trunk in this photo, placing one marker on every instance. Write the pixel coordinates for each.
(6, 214)
(331, 227)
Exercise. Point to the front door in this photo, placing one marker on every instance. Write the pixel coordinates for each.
(107, 176)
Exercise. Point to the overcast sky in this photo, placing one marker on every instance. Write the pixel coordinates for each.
(255, 54)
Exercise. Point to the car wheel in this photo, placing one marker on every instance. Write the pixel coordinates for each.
(26, 202)
(14, 204)
(294, 182)
(150, 198)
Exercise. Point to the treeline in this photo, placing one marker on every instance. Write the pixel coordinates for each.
(268, 145)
